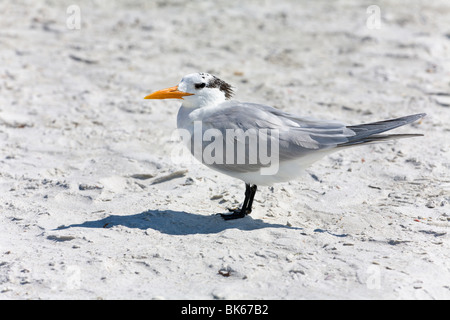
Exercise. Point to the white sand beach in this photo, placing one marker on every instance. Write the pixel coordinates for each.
(93, 207)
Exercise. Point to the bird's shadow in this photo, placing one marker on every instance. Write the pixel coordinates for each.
(177, 223)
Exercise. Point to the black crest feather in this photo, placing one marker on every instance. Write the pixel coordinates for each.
(222, 85)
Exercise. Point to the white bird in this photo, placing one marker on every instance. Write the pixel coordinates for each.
(294, 142)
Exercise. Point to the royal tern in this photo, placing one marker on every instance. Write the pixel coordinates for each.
(238, 131)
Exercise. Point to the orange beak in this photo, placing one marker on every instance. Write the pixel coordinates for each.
(169, 93)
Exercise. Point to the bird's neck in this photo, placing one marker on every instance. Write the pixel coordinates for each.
(187, 114)
(214, 98)
(193, 109)
(183, 119)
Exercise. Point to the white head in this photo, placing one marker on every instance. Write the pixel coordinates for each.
(197, 90)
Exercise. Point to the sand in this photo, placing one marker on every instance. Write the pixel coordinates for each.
(92, 205)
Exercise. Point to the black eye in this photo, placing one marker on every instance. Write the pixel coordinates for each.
(200, 85)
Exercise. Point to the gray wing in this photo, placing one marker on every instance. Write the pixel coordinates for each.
(296, 136)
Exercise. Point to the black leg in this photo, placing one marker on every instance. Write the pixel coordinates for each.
(252, 196)
(246, 206)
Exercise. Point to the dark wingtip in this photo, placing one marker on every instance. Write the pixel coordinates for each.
(369, 132)
(419, 115)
